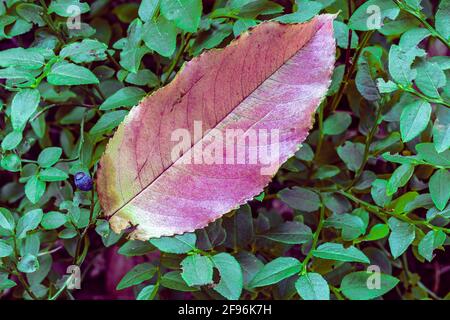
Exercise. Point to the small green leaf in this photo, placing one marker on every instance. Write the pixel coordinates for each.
(5, 249)
(402, 235)
(23, 105)
(366, 18)
(69, 74)
(140, 273)
(34, 189)
(352, 154)
(148, 292)
(275, 271)
(440, 188)
(88, 50)
(379, 194)
(312, 286)
(53, 220)
(160, 36)
(19, 57)
(29, 221)
(432, 240)
(49, 156)
(176, 244)
(6, 220)
(125, 97)
(134, 248)
(364, 285)
(172, 280)
(337, 123)
(12, 140)
(378, 231)
(52, 175)
(184, 13)
(336, 251)
(108, 121)
(414, 119)
(290, 232)
(399, 178)
(427, 152)
(441, 129)
(197, 270)
(147, 9)
(65, 8)
(28, 264)
(300, 199)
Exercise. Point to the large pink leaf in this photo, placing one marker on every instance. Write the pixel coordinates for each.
(271, 78)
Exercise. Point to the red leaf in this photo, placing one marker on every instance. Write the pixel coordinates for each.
(272, 78)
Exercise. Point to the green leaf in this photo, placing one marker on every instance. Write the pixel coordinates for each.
(365, 17)
(341, 31)
(312, 286)
(88, 50)
(11, 162)
(172, 280)
(65, 8)
(351, 225)
(442, 25)
(336, 251)
(34, 189)
(24, 58)
(28, 264)
(430, 78)
(125, 97)
(23, 105)
(6, 283)
(5, 249)
(161, 36)
(363, 285)
(402, 235)
(290, 232)
(29, 221)
(306, 12)
(365, 83)
(52, 175)
(379, 194)
(352, 154)
(147, 9)
(414, 119)
(300, 199)
(399, 178)
(108, 121)
(441, 129)
(378, 231)
(12, 140)
(440, 188)
(49, 156)
(177, 244)
(337, 123)
(69, 74)
(53, 220)
(148, 292)
(305, 153)
(140, 273)
(432, 240)
(250, 265)
(386, 87)
(197, 270)
(400, 61)
(184, 13)
(275, 271)
(134, 248)
(6, 220)
(427, 152)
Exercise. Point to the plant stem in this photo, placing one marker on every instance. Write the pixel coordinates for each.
(337, 97)
(183, 45)
(420, 16)
(315, 238)
(424, 97)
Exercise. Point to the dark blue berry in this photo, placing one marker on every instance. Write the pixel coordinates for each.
(83, 181)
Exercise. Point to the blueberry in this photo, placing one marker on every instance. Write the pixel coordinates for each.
(83, 181)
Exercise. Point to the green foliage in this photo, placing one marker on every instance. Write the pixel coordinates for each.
(369, 186)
